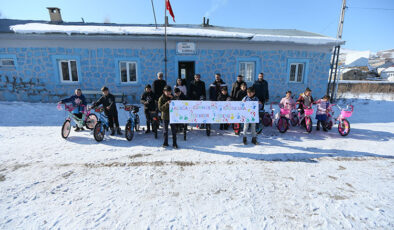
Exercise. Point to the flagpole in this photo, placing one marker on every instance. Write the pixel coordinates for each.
(165, 40)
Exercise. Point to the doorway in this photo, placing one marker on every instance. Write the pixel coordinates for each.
(186, 71)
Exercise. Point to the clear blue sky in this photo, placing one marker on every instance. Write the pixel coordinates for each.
(364, 29)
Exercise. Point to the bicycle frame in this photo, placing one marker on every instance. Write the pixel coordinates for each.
(71, 116)
(102, 119)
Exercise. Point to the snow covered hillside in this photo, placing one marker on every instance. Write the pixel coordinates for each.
(289, 181)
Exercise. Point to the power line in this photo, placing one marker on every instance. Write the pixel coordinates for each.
(369, 8)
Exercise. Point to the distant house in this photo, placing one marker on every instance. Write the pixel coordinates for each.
(388, 73)
(44, 61)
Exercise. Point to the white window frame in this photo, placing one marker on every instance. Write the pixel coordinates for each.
(7, 59)
(297, 64)
(69, 70)
(253, 76)
(128, 72)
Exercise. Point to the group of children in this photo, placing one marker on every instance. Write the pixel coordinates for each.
(305, 100)
(153, 102)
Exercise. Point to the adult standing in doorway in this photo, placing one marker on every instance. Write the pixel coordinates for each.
(180, 84)
(196, 89)
(261, 88)
(215, 87)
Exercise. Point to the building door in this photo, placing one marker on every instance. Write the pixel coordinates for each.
(186, 71)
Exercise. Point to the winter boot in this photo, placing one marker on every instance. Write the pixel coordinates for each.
(119, 131)
(147, 127)
(77, 129)
(254, 140)
(324, 125)
(165, 144)
(112, 132)
(174, 144)
(318, 126)
(245, 141)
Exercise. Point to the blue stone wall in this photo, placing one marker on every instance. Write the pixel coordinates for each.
(36, 77)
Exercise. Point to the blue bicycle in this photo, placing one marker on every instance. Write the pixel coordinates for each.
(133, 122)
(101, 126)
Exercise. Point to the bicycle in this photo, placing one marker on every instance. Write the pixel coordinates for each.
(89, 120)
(343, 123)
(101, 126)
(155, 119)
(133, 122)
(265, 119)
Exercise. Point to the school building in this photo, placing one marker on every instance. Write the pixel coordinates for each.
(47, 60)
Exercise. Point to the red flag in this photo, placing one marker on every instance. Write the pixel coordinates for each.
(169, 8)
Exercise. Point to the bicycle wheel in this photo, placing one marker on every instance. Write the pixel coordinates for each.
(91, 121)
(283, 125)
(98, 132)
(267, 121)
(294, 120)
(344, 127)
(308, 124)
(137, 123)
(66, 128)
(129, 131)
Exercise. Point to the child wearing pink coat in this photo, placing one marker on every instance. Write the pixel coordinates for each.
(287, 103)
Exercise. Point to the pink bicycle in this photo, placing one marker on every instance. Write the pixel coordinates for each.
(287, 116)
(343, 123)
(295, 119)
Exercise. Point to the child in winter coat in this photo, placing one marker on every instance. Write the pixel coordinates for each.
(304, 101)
(79, 102)
(148, 100)
(287, 103)
(321, 113)
(250, 97)
(164, 107)
(110, 110)
(223, 96)
(241, 93)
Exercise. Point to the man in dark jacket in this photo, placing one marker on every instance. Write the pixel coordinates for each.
(110, 110)
(164, 107)
(148, 100)
(261, 88)
(236, 86)
(158, 85)
(214, 88)
(196, 89)
(79, 102)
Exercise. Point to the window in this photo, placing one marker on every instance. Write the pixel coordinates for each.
(5, 62)
(247, 69)
(296, 72)
(128, 72)
(68, 70)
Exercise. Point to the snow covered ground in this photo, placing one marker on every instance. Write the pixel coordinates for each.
(289, 181)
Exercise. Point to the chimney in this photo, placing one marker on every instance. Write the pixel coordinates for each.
(54, 14)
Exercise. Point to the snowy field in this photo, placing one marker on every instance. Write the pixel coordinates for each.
(289, 181)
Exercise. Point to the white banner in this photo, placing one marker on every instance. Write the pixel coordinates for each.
(201, 112)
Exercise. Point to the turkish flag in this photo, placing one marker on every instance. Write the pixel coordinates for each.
(169, 8)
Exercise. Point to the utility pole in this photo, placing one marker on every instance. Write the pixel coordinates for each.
(154, 14)
(335, 56)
